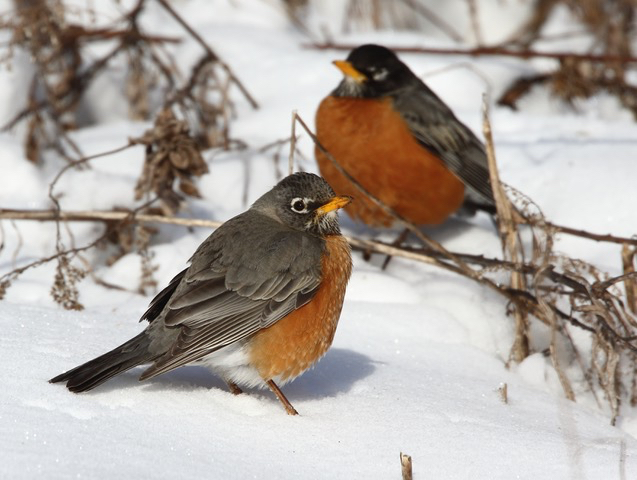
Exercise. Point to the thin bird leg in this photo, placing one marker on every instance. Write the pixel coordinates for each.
(234, 388)
(286, 403)
(396, 243)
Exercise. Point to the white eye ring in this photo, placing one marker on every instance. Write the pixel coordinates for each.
(380, 75)
(299, 205)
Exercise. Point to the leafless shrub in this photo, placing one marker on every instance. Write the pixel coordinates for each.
(378, 14)
(406, 467)
(194, 115)
(64, 290)
(4, 285)
(147, 283)
(171, 154)
(611, 29)
(129, 237)
(63, 74)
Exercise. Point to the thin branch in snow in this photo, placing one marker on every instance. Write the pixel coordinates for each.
(406, 466)
(503, 391)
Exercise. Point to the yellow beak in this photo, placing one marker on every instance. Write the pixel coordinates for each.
(334, 204)
(347, 68)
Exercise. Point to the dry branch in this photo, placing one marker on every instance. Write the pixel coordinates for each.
(103, 216)
(423, 255)
(630, 284)
(484, 51)
(210, 52)
(503, 392)
(406, 466)
(434, 19)
(63, 73)
(511, 245)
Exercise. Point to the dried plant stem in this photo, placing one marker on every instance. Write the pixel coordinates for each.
(292, 144)
(435, 19)
(511, 246)
(481, 51)
(210, 52)
(406, 466)
(57, 255)
(82, 161)
(61, 251)
(431, 257)
(503, 391)
(427, 256)
(475, 21)
(104, 216)
(552, 317)
(628, 263)
(597, 237)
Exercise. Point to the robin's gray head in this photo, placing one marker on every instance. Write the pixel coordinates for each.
(303, 201)
(372, 71)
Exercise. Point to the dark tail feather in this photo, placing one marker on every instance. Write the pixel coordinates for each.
(470, 207)
(97, 371)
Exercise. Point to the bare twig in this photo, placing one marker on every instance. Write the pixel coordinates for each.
(597, 237)
(292, 144)
(485, 51)
(628, 263)
(104, 216)
(511, 246)
(475, 22)
(503, 391)
(210, 52)
(435, 19)
(550, 314)
(406, 466)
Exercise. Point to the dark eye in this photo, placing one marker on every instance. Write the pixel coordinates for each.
(299, 206)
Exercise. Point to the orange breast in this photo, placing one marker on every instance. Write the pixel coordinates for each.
(373, 144)
(293, 344)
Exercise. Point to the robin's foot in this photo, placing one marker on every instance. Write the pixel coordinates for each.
(286, 403)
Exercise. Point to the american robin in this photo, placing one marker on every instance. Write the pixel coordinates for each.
(390, 132)
(258, 304)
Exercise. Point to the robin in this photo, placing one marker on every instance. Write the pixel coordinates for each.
(259, 303)
(396, 138)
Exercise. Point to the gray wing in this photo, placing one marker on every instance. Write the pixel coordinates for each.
(435, 126)
(239, 282)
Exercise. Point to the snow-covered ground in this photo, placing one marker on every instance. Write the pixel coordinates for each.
(419, 354)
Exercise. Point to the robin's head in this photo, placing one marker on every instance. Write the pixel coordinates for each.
(372, 71)
(304, 201)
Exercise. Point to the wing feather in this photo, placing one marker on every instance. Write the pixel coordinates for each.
(234, 288)
(435, 126)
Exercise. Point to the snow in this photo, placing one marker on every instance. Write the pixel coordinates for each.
(419, 354)
(412, 386)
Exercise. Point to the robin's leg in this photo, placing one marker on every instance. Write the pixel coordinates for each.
(234, 388)
(286, 403)
(396, 243)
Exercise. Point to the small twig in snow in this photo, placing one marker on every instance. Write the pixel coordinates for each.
(503, 391)
(406, 466)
